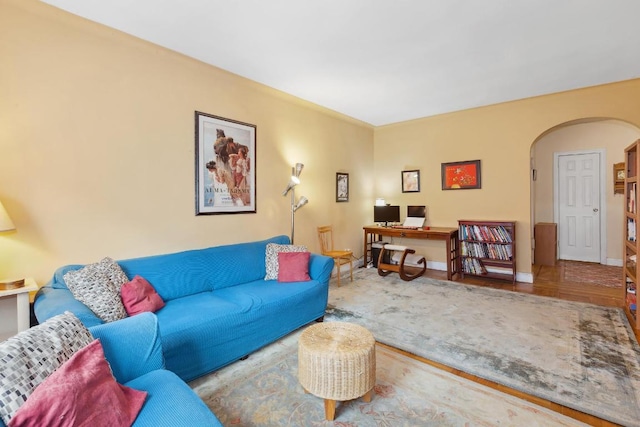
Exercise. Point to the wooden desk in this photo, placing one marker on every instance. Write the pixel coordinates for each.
(448, 234)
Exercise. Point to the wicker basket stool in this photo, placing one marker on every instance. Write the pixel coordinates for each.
(337, 361)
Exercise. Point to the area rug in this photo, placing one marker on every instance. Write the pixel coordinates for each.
(579, 355)
(608, 276)
(264, 391)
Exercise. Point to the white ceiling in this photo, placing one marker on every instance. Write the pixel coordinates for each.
(385, 61)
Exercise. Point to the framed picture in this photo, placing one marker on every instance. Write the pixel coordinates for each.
(342, 187)
(411, 181)
(225, 165)
(618, 178)
(461, 175)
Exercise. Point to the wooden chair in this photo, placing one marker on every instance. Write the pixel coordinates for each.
(325, 236)
(406, 273)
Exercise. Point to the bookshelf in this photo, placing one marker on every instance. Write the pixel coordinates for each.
(631, 247)
(488, 249)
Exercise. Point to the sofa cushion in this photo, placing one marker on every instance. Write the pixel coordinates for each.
(293, 266)
(170, 402)
(216, 328)
(82, 392)
(29, 357)
(97, 286)
(271, 257)
(139, 296)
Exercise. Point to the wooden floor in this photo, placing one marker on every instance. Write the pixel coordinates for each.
(547, 281)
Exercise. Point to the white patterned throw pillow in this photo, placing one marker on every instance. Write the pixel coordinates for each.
(98, 287)
(28, 358)
(271, 257)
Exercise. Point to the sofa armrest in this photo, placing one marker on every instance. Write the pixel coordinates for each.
(50, 302)
(320, 267)
(132, 346)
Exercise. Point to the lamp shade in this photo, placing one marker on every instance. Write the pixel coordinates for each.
(292, 183)
(5, 221)
(303, 201)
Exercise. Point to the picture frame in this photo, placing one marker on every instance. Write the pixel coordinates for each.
(618, 178)
(225, 165)
(464, 175)
(411, 181)
(342, 187)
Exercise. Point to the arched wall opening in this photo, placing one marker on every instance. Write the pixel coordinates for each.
(611, 136)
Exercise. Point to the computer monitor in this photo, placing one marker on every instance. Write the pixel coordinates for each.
(417, 211)
(386, 214)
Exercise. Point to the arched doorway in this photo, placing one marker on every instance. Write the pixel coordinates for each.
(607, 138)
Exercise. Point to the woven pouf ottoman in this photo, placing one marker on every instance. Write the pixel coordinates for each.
(337, 361)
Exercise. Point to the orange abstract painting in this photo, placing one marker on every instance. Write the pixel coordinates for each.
(461, 175)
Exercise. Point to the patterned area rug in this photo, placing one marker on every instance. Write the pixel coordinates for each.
(264, 391)
(579, 355)
(603, 275)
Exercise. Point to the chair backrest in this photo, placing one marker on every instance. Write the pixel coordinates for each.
(325, 237)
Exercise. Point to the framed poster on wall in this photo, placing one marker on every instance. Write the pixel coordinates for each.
(225, 165)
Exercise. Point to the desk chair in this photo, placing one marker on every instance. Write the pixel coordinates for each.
(325, 236)
(406, 273)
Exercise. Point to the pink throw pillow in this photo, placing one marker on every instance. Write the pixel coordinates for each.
(81, 392)
(293, 266)
(139, 296)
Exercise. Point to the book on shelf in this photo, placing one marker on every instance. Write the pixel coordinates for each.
(631, 230)
(485, 233)
(632, 198)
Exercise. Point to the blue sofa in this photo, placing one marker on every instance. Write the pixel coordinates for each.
(218, 306)
(133, 348)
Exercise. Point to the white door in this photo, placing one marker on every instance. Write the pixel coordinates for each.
(579, 207)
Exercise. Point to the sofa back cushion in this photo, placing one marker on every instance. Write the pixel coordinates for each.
(191, 272)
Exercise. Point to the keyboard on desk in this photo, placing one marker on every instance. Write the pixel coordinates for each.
(404, 227)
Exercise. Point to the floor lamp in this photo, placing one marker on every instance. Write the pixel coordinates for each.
(295, 180)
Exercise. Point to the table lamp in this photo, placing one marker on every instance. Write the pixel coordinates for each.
(7, 225)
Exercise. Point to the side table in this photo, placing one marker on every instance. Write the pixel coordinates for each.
(14, 309)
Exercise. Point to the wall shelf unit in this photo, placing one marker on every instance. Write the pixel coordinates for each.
(488, 249)
(631, 246)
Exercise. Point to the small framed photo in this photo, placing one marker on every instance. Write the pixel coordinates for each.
(411, 181)
(225, 165)
(461, 175)
(342, 187)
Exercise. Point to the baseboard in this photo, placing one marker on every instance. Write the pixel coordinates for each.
(524, 277)
(442, 266)
(615, 262)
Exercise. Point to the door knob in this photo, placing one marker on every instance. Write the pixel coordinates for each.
(595, 209)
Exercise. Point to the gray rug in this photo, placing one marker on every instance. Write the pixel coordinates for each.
(579, 355)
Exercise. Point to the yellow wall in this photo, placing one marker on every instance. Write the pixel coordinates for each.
(97, 148)
(612, 137)
(500, 136)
